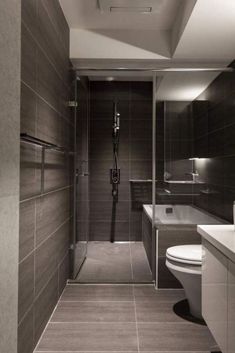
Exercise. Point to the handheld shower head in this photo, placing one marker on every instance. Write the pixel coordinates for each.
(115, 171)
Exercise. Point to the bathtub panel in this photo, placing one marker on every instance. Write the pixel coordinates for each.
(165, 277)
(174, 237)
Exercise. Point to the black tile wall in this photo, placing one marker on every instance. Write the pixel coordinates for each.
(45, 213)
(214, 132)
(135, 157)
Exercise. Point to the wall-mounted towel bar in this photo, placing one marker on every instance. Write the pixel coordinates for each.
(45, 145)
(38, 142)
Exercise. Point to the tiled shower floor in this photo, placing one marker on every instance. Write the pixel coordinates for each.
(121, 318)
(115, 262)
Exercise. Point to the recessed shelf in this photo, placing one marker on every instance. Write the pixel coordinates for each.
(183, 182)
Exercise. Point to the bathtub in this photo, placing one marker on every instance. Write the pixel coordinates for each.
(181, 214)
(174, 225)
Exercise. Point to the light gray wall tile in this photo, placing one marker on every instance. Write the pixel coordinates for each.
(10, 28)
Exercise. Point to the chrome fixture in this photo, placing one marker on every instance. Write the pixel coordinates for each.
(115, 171)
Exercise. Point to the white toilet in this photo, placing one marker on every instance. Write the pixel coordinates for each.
(185, 263)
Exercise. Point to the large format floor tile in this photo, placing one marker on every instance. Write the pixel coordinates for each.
(115, 262)
(94, 312)
(155, 311)
(140, 265)
(97, 292)
(167, 336)
(89, 337)
(121, 318)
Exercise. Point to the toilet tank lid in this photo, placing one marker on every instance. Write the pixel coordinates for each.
(186, 252)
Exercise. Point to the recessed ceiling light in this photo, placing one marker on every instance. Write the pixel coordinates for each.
(130, 9)
(110, 78)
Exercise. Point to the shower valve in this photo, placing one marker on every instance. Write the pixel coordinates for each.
(114, 176)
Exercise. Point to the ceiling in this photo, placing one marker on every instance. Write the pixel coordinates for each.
(176, 33)
(96, 15)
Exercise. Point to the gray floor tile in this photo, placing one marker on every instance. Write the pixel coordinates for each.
(140, 265)
(79, 292)
(149, 293)
(94, 312)
(89, 337)
(106, 262)
(115, 262)
(172, 337)
(156, 311)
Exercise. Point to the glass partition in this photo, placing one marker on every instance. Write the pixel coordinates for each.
(194, 157)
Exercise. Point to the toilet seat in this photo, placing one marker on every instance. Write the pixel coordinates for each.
(185, 254)
(185, 263)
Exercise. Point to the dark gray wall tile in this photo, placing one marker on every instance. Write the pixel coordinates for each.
(49, 85)
(105, 230)
(44, 114)
(27, 228)
(28, 110)
(135, 153)
(45, 263)
(102, 211)
(44, 305)
(26, 285)
(28, 57)
(63, 273)
(30, 171)
(214, 123)
(49, 125)
(51, 211)
(26, 333)
(29, 15)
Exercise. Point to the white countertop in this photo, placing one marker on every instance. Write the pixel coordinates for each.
(221, 236)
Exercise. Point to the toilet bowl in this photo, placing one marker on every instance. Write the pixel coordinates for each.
(185, 263)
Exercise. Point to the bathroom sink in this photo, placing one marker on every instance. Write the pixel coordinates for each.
(221, 236)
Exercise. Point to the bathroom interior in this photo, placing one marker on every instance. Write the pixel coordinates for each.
(118, 176)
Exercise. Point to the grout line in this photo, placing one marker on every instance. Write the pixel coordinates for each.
(96, 301)
(132, 272)
(107, 352)
(40, 244)
(53, 64)
(36, 297)
(54, 24)
(91, 322)
(49, 104)
(114, 284)
(143, 351)
(124, 322)
(136, 325)
(46, 193)
(49, 321)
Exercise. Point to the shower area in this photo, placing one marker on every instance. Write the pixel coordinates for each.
(112, 180)
(152, 160)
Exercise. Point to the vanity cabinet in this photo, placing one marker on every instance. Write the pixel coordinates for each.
(215, 293)
(218, 296)
(231, 307)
